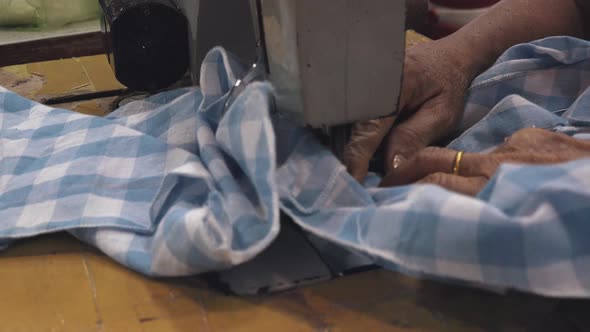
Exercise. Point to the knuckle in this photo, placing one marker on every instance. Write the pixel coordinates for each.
(485, 166)
(532, 139)
(530, 133)
(422, 156)
(435, 178)
(450, 116)
(431, 152)
(489, 166)
(409, 135)
(355, 153)
(376, 125)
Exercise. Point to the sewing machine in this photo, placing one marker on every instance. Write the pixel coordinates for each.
(332, 62)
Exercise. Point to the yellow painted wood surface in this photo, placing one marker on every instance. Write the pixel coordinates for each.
(40, 81)
(55, 283)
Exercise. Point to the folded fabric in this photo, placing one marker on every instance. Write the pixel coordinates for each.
(176, 185)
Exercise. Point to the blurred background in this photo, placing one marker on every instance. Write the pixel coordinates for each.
(446, 16)
(46, 13)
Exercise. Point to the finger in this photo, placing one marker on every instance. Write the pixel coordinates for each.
(364, 142)
(536, 140)
(428, 161)
(440, 160)
(426, 126)
(464, 185)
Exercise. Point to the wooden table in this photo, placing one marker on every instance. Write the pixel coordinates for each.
(55, 283)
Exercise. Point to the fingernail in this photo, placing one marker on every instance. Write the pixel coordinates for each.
(398, 160)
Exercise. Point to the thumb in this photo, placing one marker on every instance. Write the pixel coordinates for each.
(421, 129)
(364, 142)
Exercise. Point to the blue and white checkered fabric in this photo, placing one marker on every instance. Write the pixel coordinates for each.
(174, 186)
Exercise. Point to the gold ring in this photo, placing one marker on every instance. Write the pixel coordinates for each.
(457, 163)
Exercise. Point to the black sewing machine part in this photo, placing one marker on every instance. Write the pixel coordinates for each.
(147, 42)
(416, 14)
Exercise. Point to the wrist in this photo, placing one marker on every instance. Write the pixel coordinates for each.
(471, 55)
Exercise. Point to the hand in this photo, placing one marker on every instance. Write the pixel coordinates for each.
(528, 146)
(436, 77)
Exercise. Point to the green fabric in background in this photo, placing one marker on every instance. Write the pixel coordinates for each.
(46, 13)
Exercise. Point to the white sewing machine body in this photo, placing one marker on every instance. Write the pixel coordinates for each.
(335, 62)
(332, 62)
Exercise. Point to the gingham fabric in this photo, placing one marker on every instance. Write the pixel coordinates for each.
(173, 185)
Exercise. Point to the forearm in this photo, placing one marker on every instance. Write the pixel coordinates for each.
(511, 22)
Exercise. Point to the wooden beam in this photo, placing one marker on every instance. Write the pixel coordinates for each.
(55, 48)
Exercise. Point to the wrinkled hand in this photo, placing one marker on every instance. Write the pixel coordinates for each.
(527, 146)
(431, 105)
